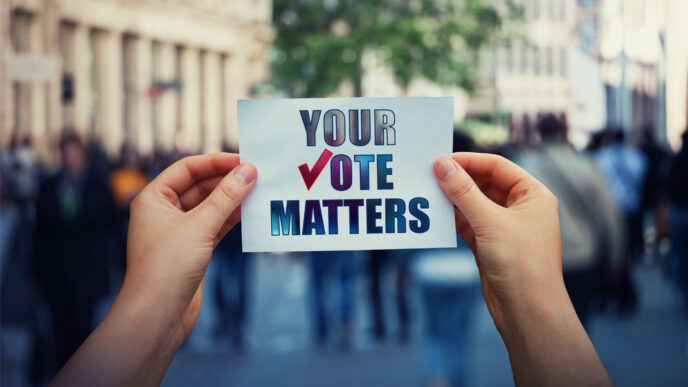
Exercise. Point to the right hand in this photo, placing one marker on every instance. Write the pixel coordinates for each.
(510, 221)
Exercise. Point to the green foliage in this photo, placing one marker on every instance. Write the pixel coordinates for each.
(319, 43)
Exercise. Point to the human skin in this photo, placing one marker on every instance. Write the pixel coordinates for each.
(507, 218)
(510, 221)
(176, 222)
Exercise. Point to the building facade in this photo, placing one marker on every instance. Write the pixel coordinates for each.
(644, 56)
(528, 76)
(156, 73)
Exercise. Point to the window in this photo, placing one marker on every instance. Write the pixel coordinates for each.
(536, 60)
(563, 59)
(587, 4)
(524, 59)
(509, 51)
(550, 60)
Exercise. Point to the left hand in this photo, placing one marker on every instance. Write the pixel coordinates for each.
(176, 222)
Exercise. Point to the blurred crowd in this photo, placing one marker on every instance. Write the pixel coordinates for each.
(63, 239)
(63, 245)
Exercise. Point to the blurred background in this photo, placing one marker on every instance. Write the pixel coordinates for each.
(590, 96)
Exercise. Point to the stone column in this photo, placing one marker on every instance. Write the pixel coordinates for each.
(38, 110)
(6, 97)
(190, 72)
(212, 136)
(110, 95)
(144, 126)
(53, 87)
(20, 94)
(235, 87)
(138, 54)
(82, 59)
(166, 105)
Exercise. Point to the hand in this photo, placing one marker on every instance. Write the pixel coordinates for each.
(176, 222)
(510, 221)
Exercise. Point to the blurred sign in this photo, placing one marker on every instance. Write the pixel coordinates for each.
(346, 173)
(31, 67)
(158, 87)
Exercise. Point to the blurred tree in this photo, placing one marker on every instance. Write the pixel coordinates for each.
(320, 44)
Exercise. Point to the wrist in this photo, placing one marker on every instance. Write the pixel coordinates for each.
(536, 305)
(546, 341)
(158, 322)
(133, 345)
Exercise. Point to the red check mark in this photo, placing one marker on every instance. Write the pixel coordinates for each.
(310, 175)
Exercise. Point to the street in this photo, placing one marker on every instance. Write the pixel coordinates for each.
(649, 348)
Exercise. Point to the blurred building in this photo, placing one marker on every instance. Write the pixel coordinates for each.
(158, 73)
(378, 81)
(644, 53)
(588, 96)
(528, 76)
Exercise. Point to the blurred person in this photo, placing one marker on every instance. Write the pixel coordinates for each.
(378, 260)
(653, 208)
(400, 261)
(164, 158)
(512, 228)
(98, 160)
(678, 217)
(157, 163)
(592, 231)
(449, 287)
(126, 181)
(75, 227)
(463, 143)
(328, 268)
(448, 283)
(231, 288)
(595, 142)
(623, 168)
(128, 178)
(19, 171)
(658, 162)
(232, 281)
(19, 175)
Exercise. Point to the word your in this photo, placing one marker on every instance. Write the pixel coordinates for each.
(334, 123)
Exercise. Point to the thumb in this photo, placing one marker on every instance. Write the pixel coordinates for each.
(226, 197)
(460, 188)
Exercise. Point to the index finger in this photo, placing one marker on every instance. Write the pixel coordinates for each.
(501, 173)
(183, 174)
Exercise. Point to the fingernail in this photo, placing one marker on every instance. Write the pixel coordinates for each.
(246, 173)
(445, 168)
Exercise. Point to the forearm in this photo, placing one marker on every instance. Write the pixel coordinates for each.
(547, 344)
(133, 345)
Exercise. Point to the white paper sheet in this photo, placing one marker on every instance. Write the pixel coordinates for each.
(399, 205)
